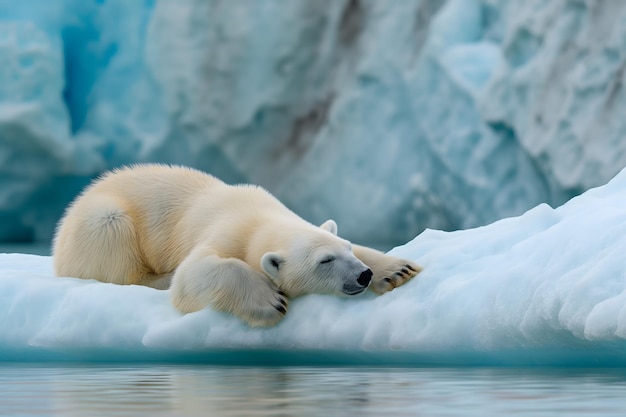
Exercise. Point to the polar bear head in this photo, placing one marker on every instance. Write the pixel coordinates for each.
(316, 260)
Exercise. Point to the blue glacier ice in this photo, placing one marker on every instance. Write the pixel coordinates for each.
(390, 117)
(545, 288)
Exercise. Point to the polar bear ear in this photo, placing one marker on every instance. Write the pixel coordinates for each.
(271, 263)
(330, 226)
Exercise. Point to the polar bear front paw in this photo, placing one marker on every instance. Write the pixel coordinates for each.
(392, 274)
(265, 306)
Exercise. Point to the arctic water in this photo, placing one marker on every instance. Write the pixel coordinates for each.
(306, 391)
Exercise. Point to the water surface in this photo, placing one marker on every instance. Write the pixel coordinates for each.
(29, 390)
(36, 248)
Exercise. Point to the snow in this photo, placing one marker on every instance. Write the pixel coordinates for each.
(438, 114)
(544, 288)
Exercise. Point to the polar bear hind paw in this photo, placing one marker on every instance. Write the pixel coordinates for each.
(398, 272)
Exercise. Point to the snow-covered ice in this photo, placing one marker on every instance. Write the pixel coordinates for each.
(545, 288)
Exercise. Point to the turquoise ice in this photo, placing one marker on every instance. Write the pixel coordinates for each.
(390, 117)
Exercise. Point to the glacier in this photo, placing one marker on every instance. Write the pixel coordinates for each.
(390, 117)
(547, 288)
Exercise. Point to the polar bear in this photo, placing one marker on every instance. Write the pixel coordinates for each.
(233, 248)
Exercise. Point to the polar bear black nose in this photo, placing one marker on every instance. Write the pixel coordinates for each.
(365, 278)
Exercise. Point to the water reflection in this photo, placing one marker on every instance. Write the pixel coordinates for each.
(38, 248)
(222, 391)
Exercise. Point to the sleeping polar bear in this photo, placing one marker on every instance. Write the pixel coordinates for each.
(233, 248)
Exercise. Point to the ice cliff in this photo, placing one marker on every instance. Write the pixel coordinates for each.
(387, 116)
(545, 288)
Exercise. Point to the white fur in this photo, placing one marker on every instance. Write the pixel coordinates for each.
(234, 248)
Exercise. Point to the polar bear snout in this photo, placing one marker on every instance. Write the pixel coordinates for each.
(361, 284)
(365, 277)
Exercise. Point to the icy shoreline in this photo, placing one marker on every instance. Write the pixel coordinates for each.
(545, 288)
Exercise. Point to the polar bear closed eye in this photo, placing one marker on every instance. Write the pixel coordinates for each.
(233, 248)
